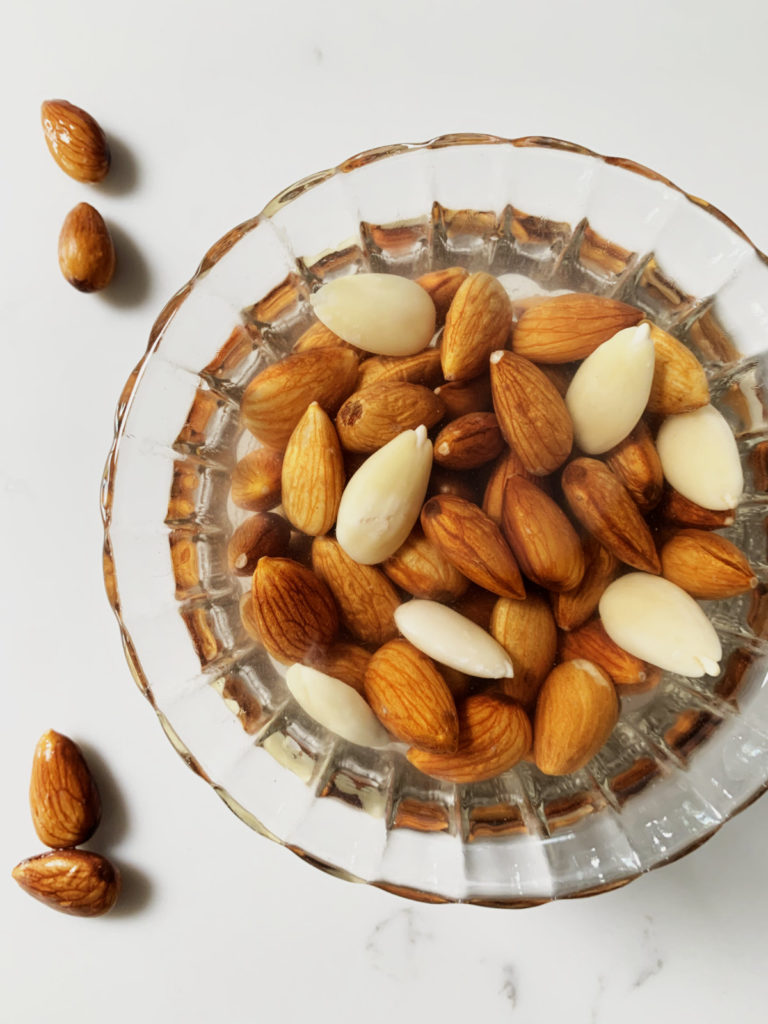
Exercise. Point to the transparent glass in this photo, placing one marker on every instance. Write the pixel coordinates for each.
(683, 758)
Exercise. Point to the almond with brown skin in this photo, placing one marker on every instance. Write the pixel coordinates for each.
(294, 611)
(469, 441)
(545, 544)
(527, 632)
(679, 511)
(478, 323)
(605, 509)
(266, 533)
(441, 286)
(708, 566)
(477, 604)
(421, 368)
(569, 327)
(366, 599)
(679, 382)
(575, 714)
(451, 481)
(370, 418)
(507, 465)
(74, 882)
(590, 641)
(75, 141)
(410, 697)
(86, 252)
(342, 660)
(560, 375)
(320, 336)
(573, 607)
(313, 473)
(247, 617)
(532, 415)
(63, 798)
(636, 463)
(494, 735)
(473, 543)
(421, 569)
(276, 399)
(256, 480)
(464, 396)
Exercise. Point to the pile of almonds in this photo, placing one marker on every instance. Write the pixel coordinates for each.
(498, 513)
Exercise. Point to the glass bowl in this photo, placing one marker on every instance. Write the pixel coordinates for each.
(683, 758)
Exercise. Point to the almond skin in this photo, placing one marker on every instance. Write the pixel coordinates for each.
(342, 660)
(679, 382)
(569, 327)
(74, 882)
(313, 473)
(256, 480)
(320, 336)
(542, 539)
(473, 543)
(75, 141)
(532, 415)
(451, 481)
(507, 465)
(86, 252)
(709, 567)
(636, 463)
(478, 323)
(63, 798)
(573, 607)
(294, 611)
(421, 368)
(526, 630)
(464, 396)
(410, 697)
(441, 286)
(593, 643)
(420, 568)
(469, 441)
(680, 511)
(603, 506)
(370, 418)
(575, 714)
(477, 605)
(494, 735)
(266, 533)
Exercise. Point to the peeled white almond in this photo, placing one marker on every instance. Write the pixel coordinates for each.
(336, 705)
(452, 639)
(656, 620)
(700, 459)
(610, 390)
(383, 499)
(381, 313)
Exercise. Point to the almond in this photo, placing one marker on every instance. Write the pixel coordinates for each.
(473, 543)
(75, 141)
(256, 480)
(569, 327)
(478, 323)
(247, 617)
(410, 697)
(441, 286)
(573, 607)
(541, 537)
(680, 511)
(75, 882)
(593, 643)
(86, 252)
(294, 610)
(636, 463)
(276, 399)
(335, 705)
(477, 605)
(420, 368)
(451, 481)
(575, 714)
(366, 599)
(527, 632)
(452, 639)
(420, 568)
(507, 465)
(263, 534)
(342, 660)
(464, 396)
(64, 800)
(494, 735)
(371, 418)
(603, 506)
(532, 415)
(319, 336)
(679, 382)
(706, 565)
(469, 441)
(700, 458)
(313, 473)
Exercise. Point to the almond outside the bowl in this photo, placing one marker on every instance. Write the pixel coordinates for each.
(569, 327)
(63, 797)
(75, 140)
(707, 566)
(86, 252)
(478, 322)
(294, 611)
(75, 882)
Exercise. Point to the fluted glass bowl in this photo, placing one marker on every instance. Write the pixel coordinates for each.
(683, 758)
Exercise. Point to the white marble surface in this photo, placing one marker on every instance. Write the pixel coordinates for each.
(212, 109)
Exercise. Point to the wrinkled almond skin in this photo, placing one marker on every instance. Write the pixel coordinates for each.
(421, 569)
(494, 735)
(591, 642)
(569, 327)
(313, 476)
(679, 382)
(276, 399)
(74, 882)
(342, 660)
(320, 336)
(461, 397)
(679, 511)
(531, 413)
(441, 286)
(86, 252)
(573, 607)
(421, 368)
(451, 481)
(75, 140)
(603, 506)
(508, 464)
(365, 597)
(473, 543)
(370, 418)
(636, 463)
(708, 566)
(477, 604)
(256, 480)
(478, 322)
(542, 539)
(294, 611)
(265, 533)
(410, 697)
(469, 441)
(527, 632)
(63, 797)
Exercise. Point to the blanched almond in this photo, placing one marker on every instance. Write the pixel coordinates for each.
(336, 706)
(700, 459)
(452, 639)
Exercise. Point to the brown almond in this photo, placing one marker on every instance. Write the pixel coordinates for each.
(464, 396)
(542, 539)
(532, 415)
(709, 567)
(266, 533)
(342, 660)
(370, 418)
(366, 598)
(473, 543)
(559, 374)
(441, 286)
(313, 473)
(477, 604)
(74, 882)
(679, 511)
(573, 607)
(410, 697)
(591, 641)
(86, 252)
(508, 464)
(636, 463)
(451, 481)
(679, 382)
(421, 368)
(320, 336)
(75, 140)
(527, 632)
(247, 617)
(256, 480)
(293, 609)
(575, 714)
(469, 441)
(570, 327)
(276, 399)
(478, 323)
(605, 509)
(494, 735)
(421, 569)
(63, 797)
